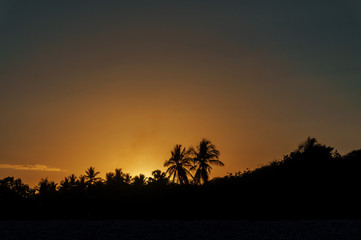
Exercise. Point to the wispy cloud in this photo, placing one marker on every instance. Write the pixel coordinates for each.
(33, 167)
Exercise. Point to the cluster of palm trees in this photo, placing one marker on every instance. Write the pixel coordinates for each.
(185, 166)
(91, 179)
(192, 164)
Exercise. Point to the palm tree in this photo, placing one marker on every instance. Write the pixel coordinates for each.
(64, 185)
(205, 155)
(72, 180)
(81, 183)
(140, 180)
(46, 187)
(68, 183)
(109, 178)
(127, 178)
(117, 177)
(159, 177)
(91, 176)
(178, 165)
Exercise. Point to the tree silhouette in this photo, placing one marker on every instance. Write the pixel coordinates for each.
(307, 145)
(139, 180)
(109, 178)
(118, 177)
(205, 155)
(312, 181)
(14, 188)
(127, 178)
(159, 177)
(311, 153)
(354, 155)
(178, 165)
(46, 187)
(91, 176)
(65, 185)
(81, 183)
(69, 183)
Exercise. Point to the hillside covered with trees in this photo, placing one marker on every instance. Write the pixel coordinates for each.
(313, 181)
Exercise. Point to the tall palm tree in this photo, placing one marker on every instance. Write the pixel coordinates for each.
(205, 155)
(178, 165)
(91, 176)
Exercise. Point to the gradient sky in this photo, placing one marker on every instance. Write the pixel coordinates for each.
(116, 84)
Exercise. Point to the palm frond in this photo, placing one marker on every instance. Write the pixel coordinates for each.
(216, 162)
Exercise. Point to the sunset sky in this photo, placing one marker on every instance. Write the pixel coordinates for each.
(116, 84)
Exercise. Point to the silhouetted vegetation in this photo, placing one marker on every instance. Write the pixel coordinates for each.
(179, 165)
(313, 181)
(205, 155)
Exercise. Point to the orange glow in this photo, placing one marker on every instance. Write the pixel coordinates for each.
(120, 123)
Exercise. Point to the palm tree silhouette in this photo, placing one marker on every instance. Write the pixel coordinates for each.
(178, 165)
(46, 187)
(117, 177)
(159, 177)
(91, 176)
(64, 184)
(127, 178)
(81, 183)
(109, 178)
(72, 180)
(68, 183)
(140, 180)
(205, 155)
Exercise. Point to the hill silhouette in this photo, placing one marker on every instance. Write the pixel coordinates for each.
(313, 181)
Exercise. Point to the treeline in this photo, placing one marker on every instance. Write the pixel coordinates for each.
(313, 181)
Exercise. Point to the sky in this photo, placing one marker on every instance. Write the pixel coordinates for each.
(116, 84)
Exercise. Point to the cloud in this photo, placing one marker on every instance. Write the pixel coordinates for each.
(33, 167)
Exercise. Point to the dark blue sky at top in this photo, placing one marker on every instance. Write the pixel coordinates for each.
(319, 39)
(326, 32)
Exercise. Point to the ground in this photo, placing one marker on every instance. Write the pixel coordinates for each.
(174, 230)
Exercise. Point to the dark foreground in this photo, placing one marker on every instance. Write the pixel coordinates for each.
(312, 229)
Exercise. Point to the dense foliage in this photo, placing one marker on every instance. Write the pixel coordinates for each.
(313, 181)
